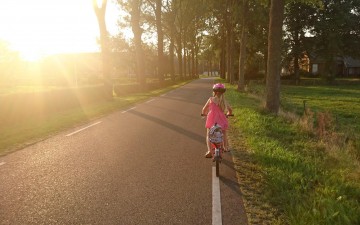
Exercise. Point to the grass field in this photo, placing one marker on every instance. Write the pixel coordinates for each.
(20, 133)
(343, 103)
(289, 174)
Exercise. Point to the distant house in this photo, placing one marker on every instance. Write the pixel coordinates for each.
(344, 66)
(351, 67)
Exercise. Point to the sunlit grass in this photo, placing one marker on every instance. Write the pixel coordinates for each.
(19, 134)
(301, 179)
(5, 90)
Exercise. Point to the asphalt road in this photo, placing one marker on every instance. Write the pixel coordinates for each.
(143, 165)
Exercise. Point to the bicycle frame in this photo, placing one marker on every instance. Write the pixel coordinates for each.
(216, 150)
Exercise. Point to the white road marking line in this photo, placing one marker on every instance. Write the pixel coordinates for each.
(150, 100)
(83, 129)
(216, 201)
(128, 110)
(2, 163)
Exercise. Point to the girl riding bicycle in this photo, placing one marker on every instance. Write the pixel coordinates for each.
(215, 109)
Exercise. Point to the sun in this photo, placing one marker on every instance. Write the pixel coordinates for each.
(41, 27)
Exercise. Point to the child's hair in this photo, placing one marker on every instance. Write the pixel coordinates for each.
(221, 97)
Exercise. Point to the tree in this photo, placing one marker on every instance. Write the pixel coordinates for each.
(243, 39)
(194, 27)
(135, 12)
(100, 12)
(257, 45)
(299, 19)
(169, 20)
(178, 24)
(160, 39)
(219, 27)
(157, 10)
(230, 25)
(337, 32)
(187, 17)
(274, 56)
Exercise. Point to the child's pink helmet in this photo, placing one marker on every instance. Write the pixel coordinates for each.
(219, 87)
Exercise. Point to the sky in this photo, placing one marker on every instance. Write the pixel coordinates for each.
(38, 28)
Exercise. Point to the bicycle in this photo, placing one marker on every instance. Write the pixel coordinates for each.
(215, 137)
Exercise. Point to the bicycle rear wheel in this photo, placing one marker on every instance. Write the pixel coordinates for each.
(217, 167)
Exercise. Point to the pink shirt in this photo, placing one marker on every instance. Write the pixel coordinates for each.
(216, 115)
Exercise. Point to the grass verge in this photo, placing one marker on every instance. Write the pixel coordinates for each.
(20, 134)
(286, 173)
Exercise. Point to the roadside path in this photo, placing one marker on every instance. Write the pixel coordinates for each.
(143, 165)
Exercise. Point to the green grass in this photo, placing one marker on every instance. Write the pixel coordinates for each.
(301, 179)
(19, 134)
(343, 102)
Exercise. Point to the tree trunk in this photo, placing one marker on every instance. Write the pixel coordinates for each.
(100, 14)
(230, 64)
(172, 57)
(190, 62)
(223, 63)
(179, 56)
(184, 59)
(296, 57)
(208, 66)
(160, 35)
(194, 64)
(228, 54)
(223, 55)
(135, 25)
(230, 41)
(242, 55)
(274, 57)
(196, 69)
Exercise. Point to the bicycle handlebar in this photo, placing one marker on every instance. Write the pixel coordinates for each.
(227, 115)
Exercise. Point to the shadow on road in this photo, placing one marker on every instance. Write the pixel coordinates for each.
(192, 101)
(228, 163)
(231, 184)
(168, 125)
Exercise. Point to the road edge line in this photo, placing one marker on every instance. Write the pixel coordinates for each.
(68, 135)
(216, 201)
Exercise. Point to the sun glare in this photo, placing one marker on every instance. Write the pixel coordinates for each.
(41, 27)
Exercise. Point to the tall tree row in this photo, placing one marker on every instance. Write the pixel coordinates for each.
(178, 25)
(245, 39)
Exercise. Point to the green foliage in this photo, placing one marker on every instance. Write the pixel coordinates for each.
(336, 32)
(305, 182)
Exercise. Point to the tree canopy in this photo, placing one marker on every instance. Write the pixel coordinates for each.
(246, 39)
